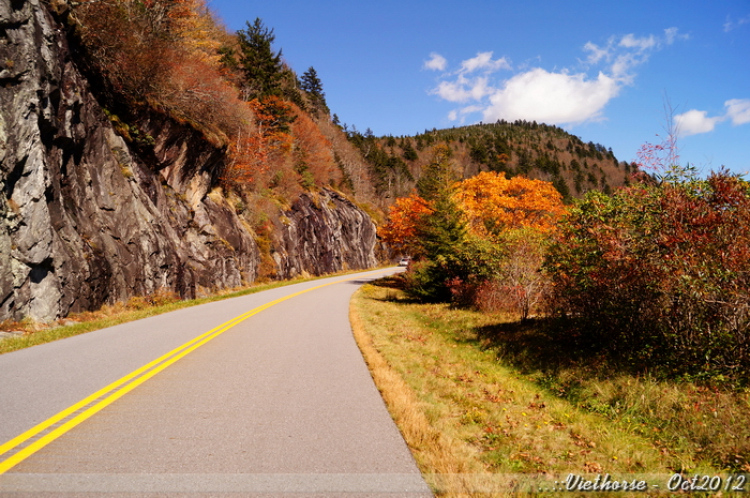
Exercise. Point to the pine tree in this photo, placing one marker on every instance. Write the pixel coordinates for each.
(314, 87)
(261, 67)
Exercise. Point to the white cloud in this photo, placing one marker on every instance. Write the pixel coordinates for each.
(597, 53)
(484, 61)
(463, 89)
(551, 97)
(694, 122)
(557, 97)
(436, 63)
(455, 114)
(738, 110)
(672, 34)
(631, 41)
(629, 52)
(732, 25)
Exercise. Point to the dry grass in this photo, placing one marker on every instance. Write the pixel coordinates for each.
(475, 413)
(434, 450)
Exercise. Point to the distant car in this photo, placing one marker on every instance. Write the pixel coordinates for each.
(404, 262)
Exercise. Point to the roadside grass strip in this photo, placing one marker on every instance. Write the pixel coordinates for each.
(482, 418)
(36, 438)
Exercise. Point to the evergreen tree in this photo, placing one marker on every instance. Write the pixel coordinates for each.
(442, 232)
(408, 151)
(314, 87)
(438, 177)
(260, 65)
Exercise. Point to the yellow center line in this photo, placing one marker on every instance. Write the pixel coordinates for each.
(120, 387)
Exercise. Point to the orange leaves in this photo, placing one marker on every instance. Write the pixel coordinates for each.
(403, 220)
(272, 117)
(197, 30)
(313, 151)
(163, 54)
(251, 151)
(285, 140)
(248, 157)
(493, 203)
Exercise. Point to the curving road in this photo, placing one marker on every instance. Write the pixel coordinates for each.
(280, 403)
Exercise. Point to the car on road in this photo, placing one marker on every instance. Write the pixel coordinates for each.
(404, 262)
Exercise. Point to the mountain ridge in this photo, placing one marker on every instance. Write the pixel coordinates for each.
(537, 151)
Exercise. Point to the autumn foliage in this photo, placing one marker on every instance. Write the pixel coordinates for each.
(494, 204)
(173, 57)
(659, 275)
(313, 152)
(481, 240)
(404, 218)
(252, 149)
(162, 54)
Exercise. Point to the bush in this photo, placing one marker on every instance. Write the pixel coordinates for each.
(660, 275)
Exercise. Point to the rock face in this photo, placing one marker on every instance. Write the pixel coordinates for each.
(85, 219)
(324, 233)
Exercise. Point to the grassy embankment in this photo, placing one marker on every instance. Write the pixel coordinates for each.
(485, 402)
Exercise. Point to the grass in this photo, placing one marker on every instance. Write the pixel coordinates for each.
(485, 403)
(135, 308)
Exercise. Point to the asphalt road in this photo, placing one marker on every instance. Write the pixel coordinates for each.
(280, 404)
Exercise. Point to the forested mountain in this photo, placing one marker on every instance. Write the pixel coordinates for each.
(537, 151)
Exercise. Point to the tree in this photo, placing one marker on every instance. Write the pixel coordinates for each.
(442, 233)
(438, 177)
(408, 151)
(314, 87)
(404, 218)
(314, 160)
(251, 152)
(261, 67)
(494, 204)
(659, 274)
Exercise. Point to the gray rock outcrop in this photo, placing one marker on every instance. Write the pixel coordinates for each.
(324, 233)
(86, 219)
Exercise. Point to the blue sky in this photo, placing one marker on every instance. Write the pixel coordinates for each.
(601, 70)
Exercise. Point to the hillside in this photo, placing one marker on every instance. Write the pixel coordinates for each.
(146, 147)
(537, 151)
(138, 155)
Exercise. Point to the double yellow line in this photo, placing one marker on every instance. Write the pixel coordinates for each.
(108, 395)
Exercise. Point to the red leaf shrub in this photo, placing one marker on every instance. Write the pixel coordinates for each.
(660, 275)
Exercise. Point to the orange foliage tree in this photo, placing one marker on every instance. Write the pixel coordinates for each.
(496, 264)
(251, 151)
(493, 203)
(516, 215)
(313, 152)
(162, 54)
(404, 219)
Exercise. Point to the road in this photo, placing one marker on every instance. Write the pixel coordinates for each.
(280, 403)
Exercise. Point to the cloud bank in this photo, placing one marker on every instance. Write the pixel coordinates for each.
(562, 97)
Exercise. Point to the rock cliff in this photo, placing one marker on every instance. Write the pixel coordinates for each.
(86, 218)
(324, 233)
